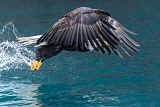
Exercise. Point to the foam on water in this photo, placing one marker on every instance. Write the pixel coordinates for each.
(13, 55)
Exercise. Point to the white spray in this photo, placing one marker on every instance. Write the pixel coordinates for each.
(13, 55)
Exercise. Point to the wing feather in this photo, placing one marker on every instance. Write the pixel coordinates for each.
(91, 39)
(94, 30)
(73, 35)
(81, 37)
(85, 26)
(85, 35)
(77, 36)
(68, 40)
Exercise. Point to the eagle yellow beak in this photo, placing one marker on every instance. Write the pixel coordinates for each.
(36, 65)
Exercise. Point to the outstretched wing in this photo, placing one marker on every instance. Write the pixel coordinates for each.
(84, 27)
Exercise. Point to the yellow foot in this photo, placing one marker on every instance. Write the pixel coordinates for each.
(36, 65)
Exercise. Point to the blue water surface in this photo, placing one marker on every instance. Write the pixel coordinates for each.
(75, 79)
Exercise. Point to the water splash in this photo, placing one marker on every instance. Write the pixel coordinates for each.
(9, 32)
(13, 55)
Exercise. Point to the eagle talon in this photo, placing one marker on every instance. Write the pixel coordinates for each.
(36, 65)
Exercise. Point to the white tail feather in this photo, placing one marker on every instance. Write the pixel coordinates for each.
(28, 40)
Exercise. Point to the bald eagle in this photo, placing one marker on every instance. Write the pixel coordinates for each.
(83, 29)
